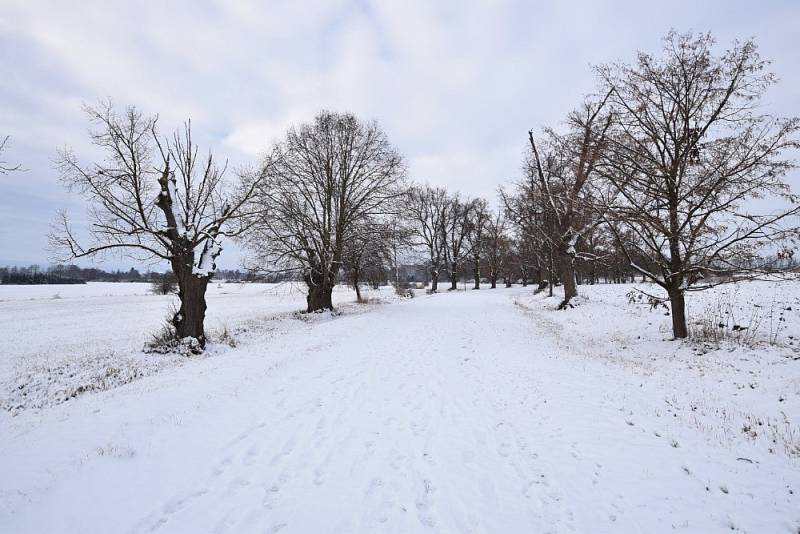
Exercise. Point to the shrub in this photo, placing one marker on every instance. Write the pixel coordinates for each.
(164, 284)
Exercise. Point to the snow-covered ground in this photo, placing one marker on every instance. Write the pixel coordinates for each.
(476, 411)
(61, 340)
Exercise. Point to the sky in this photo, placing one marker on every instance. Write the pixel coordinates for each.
(456, 85)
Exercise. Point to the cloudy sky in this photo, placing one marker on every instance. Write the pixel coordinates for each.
(456, 84)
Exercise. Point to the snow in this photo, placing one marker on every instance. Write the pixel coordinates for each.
(469, 411)
(176, 212)
(60, 340)
(205, 263)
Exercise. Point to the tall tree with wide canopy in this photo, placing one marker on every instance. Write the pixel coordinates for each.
(690, 152)
(321, 183)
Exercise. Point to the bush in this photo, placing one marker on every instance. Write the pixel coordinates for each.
(165, 340)
(164, 284)
(726, 321)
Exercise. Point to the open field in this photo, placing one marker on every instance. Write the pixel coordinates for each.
(60, 338)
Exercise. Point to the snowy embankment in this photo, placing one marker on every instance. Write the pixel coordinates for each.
(475, 411)
(63, 341)
(738, 377)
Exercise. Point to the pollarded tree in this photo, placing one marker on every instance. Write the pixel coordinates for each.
(428, 211)
(320, 184)
(690, 151)
(153, 198)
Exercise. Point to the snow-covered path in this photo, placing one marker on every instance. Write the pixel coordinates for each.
(455, 413)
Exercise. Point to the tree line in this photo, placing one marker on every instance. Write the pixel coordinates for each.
(652, 175)
(74, 274)
(660, 168)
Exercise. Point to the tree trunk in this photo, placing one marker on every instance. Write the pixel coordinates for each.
(434, 281)
(189, 319)
(678, 312)
(493, 280)
(355, 284)
(320, 291)
(453, 279)
(542, 284)
(476, 269)
(319, 298)
(567, 275)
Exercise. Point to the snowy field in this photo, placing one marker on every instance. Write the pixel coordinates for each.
(61, 339)
(460, 412)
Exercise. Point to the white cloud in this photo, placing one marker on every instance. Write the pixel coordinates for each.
(455, 84)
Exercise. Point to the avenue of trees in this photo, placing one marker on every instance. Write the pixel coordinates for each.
(651, 178)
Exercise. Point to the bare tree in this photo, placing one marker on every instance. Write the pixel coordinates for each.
(457, 230)
(561, 181)
(5, 167)
(367, 253)
(523, 209)
(321, 182)
(400, 240)
(163, 284)
(509, 260)
(495, 246)
(690, 151)
(479, 218)
(526, 258)
(153, 198)
(428, 209)
(534, 222)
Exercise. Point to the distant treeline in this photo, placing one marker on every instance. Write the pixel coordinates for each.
(72, 274)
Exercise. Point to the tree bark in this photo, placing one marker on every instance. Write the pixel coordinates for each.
(542, 284)
(493, 280)
(568, 281)
(320, 291)
(319, 298)
(434, 281)
(476, 269)
(355, 284)
(677, 305)
(454, 280)
(190, 317)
